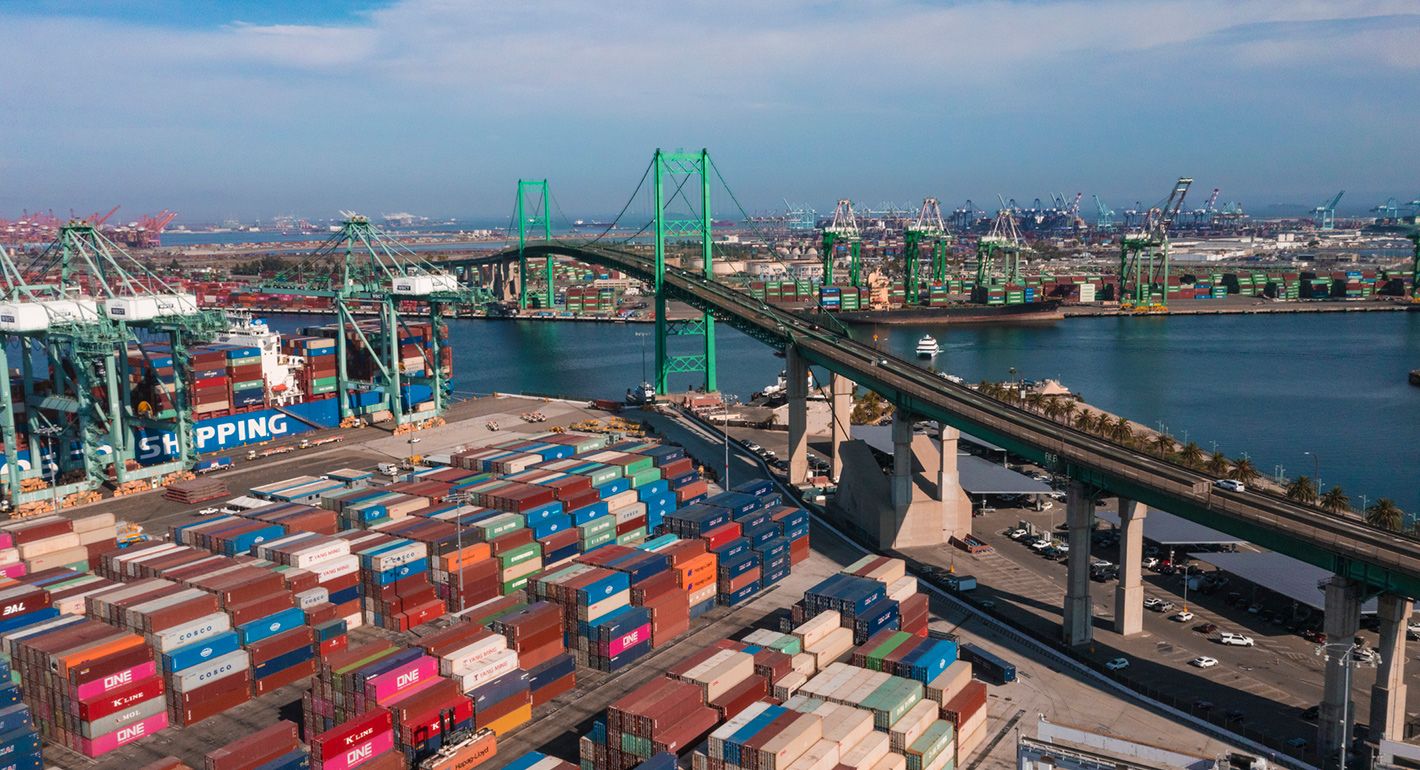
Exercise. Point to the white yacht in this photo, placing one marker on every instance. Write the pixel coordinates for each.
(927, 347)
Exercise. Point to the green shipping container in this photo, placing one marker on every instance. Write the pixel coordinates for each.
(633, 536)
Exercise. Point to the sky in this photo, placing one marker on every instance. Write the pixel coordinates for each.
(252, 109)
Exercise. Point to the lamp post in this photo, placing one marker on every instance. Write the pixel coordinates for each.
(1348, 662)
(1316, 468)
(461, 499)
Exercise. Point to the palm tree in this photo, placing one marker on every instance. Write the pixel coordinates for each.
(1302, 490)
(1121, 431)
(1217, 464)
(1163, 444)
(1034, 401)
(1244, 471)
(1084, 419)
(1385, 514)
(1334, 501)
(1053, 408)
(1191, 455)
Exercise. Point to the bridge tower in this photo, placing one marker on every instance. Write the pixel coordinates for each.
(531, 218)
(676, 170)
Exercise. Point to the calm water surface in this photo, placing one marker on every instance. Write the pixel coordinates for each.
(1273, 387)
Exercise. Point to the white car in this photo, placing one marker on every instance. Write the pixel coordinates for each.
(1152, 602)
(1042, 544)
(1203, 661)
(1232, 485)
(1236, 640)
(1017, 534)
(208, 511)
(1150, 562)
(1117, 664)
(1182, 617)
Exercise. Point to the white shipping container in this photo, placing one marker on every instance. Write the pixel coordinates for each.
(190, 632)
(814, 629)
(866, 752)
(902, 588)
(499, 663)
(912, 724)
(891, 762)
(820, 756)
(337, 567)
(716, 742)
(36, 548)
(211, 671)
(949, 682)
(58, 558)
(790, 743)
(465, 659)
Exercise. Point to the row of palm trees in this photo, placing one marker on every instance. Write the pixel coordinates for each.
(1384, 513)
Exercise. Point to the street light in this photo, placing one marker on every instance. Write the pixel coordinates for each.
(49, 432)
(1348, 662)
(1316, 468)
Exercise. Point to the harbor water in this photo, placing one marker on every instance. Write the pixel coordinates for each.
(1273, 387)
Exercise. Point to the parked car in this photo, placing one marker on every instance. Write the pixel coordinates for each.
(1181, 617)
(1236, 639)
(1152, 603)
(208, 511)
(1165, 607)
(1151, 562)
(1206, 628)
(1203, 661)
(1230, 485)
(1313, 635)
(1118, 664)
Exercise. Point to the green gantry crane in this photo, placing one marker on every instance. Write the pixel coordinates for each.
(927, 229)
(1001, 245)
(843, 229)
(361, 265)
(75, 313)
(1144, 255)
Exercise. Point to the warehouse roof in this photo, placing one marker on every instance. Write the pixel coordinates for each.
(1167, 529)
(1278, 573)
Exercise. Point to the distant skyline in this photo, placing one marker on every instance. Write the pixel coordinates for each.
(251, 109)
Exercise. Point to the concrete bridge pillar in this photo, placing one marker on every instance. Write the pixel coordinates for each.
(1078, 625)
(1129, 594)
(901, 463)
(797, 378)
(1388, 693)
(1343, 617)
(841, 413)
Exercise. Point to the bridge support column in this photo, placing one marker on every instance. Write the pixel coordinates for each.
(797, 379)
(1129, 594)
(956, 507)
(901, 463)
(1343, 617)
(840, 416)
(1078, 625)
(1388, 693)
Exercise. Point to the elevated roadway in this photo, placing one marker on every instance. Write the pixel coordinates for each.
(1345, 546)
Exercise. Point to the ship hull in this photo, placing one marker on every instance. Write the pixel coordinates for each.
(1035, 312)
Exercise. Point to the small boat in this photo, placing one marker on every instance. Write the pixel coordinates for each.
(927, 347)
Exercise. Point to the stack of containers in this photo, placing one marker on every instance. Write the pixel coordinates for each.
(356, 693)
(277, 747)
(485, 668)
(52, 541)
(211, 390)
(394, 580)
(92, 687)
(663, 716)
(535, 760)
(906, 655)
(19, 737)
(824, 637)
(535, 633)
(248, 382)
(365, 740)
(731, 675)
(870, 595)
(318, 377)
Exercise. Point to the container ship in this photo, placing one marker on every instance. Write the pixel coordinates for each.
(961, 313)
(252, 384)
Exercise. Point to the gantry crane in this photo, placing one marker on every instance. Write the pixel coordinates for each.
(1002, 244)
(1104, 217)
(929, 230)
(76, 312)
(1324, 216)
(843, 229)
(1144, 254)
(360, 264)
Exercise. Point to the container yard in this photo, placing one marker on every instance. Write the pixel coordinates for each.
(517, 563)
